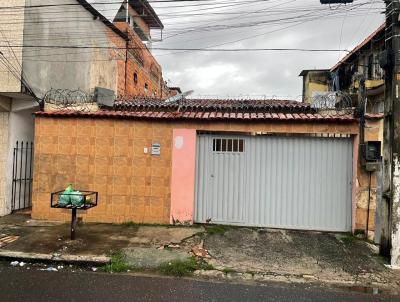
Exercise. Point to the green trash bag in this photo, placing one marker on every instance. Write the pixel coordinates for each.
(77, 198)
(64, 199)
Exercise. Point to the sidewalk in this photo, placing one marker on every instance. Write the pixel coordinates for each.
(46, 240)
(239, 254)
(296, 256)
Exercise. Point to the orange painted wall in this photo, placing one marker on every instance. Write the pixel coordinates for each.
(107, 155)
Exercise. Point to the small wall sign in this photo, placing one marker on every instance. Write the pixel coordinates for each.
(156, 149)
(179, 142)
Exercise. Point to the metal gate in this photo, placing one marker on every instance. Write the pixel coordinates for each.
(21, 196)
(271, 181)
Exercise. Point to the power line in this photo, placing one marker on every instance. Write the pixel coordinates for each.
(11, 7)
(169, 49)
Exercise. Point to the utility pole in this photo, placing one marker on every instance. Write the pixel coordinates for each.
(391, 153)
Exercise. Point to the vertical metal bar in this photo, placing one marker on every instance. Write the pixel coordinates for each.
(20, 177)
(30, 176)
(15, 176)
(12, 184)
(73, 224)
(26, 170)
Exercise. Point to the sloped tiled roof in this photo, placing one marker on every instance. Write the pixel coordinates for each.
(208, 109)
(213, 104)
(221, 116)
(379, 30)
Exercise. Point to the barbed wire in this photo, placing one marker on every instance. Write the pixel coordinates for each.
(77, 100)
(326, 104)
(245, 97)
(336, 102)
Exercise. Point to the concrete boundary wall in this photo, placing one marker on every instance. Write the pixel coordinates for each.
(113, 157)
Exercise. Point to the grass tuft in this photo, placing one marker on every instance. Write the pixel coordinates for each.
(205, 266)
(217, 229)
(348, 239)
(179, 268)
(182, 268)
(117, 263)
(130, 224)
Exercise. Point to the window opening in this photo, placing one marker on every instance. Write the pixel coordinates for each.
(230, 145)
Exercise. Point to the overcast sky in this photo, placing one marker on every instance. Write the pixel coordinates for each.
(257, 24)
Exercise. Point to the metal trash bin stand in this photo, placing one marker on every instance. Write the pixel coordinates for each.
(89, 201)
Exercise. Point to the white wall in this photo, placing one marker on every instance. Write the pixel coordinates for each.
(66, 68)
(11, 33)
(21, 128)
(4, 122)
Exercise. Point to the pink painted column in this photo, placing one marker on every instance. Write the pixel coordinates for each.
(356, 142)
(183, 175)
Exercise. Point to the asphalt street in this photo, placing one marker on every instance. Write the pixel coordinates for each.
(19, 284)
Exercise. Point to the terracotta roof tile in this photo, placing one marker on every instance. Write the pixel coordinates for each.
(204, 104)
(257, 110)
(374, 116)
(197, 115)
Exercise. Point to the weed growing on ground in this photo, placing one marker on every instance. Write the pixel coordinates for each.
(359, 232)
(217, 229)
(129, 224)
(203, 265)
(182, 268)
(139, 224)
(348, 239)
(117, 263)
(179, 268)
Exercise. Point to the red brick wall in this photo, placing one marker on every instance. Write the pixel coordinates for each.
(141, 62)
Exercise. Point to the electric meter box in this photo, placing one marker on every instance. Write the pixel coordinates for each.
(372, 151)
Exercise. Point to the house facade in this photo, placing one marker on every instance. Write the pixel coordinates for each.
(315, 82)
(263, 163)
(68, 45)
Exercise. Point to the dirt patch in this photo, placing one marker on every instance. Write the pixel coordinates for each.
(320, 255)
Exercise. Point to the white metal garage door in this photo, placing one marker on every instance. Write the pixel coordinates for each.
(272, 181)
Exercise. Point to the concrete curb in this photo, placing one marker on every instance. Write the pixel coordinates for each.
(262, 278)
(72, 259)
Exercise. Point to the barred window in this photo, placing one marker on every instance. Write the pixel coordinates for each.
(228, 145)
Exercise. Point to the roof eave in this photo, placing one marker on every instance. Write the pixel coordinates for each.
(359, 46)
(108, 23)
(306, 71)
(156, 20)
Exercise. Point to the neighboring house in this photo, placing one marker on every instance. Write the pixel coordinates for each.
(315, 81)
(264, 163)
(362, 63)
(70, 45)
